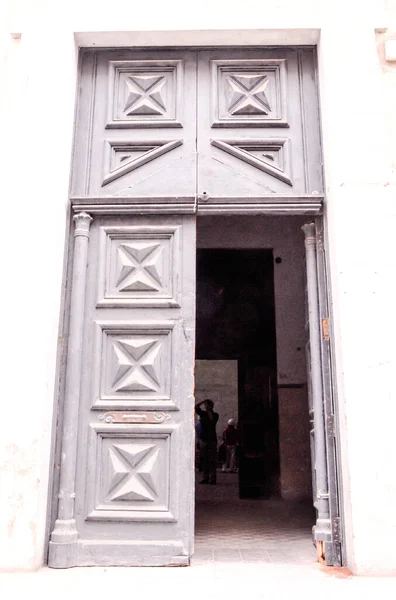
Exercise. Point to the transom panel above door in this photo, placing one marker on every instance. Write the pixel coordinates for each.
(137, 136)
(255, 127)
(182, 126)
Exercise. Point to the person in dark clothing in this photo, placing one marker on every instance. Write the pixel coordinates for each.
(198, 452)
(208, 439)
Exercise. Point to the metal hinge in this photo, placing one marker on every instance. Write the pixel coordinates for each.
(325, 329)
(336, 529)
(330, 425)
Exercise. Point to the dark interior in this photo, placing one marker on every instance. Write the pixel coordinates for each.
(236, 321)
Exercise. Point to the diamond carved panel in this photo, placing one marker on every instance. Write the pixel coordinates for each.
(130, 478)
(138, 267)
(144, 94)
(246, 95)
(133, 364)
(133, 472)
(138, 364)
(249, 93)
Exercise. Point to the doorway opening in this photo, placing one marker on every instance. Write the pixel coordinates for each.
(250, 361)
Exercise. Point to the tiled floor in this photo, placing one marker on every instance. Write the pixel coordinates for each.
(229, 529)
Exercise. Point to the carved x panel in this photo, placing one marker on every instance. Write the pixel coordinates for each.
(139, 267)
(144, 93)
(133, 364)
(130, 475)
(248, 93)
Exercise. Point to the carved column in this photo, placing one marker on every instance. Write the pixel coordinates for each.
(323, 525)
(63, 546)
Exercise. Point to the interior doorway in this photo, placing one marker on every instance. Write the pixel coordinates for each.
(250, 360)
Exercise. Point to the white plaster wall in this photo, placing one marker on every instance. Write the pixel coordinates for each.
(37, 114)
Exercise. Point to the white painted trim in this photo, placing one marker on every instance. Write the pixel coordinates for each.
(216, 37)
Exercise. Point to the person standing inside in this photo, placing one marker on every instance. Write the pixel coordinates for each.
(208, 439)
(231, 441)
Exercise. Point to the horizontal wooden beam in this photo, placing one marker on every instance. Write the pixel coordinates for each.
(271, 205)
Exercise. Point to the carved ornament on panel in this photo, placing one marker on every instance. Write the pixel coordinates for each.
(144, 93)
(139, 267)
(123, 157)
(133, 363)
(130, 475)
(271, 155)
(249, 93)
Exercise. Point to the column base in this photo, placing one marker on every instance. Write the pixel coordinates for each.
(321, 531)
(62, 556)
(63, 544)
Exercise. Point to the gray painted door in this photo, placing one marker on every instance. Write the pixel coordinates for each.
(258, 128)
(170, 126)
(126, 491)
(326, 531)
(136, 130)
(134, 487)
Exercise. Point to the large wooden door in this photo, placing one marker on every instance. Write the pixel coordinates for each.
(136, 130)
(126, 480)
(160, 136)
(327, 529)
(134, 502)
(257, 125)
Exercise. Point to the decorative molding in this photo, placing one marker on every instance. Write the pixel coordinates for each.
(271, 155)
(144, 93)
(130, 474)
(133, 465)
(309, 230)
(122, 157)
(118, 205)
(139, 267)
(249, 93)
(306, 204)
(135, 417)
(272, 205)
(133, 364)
(82, 223)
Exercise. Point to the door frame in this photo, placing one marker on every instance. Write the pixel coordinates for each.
(309, 205)
(327, 368)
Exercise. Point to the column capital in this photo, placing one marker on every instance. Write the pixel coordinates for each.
(309, 230)
(82, 221)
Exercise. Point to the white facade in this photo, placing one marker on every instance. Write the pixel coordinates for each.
(357, 87)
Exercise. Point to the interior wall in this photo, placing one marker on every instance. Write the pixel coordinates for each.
(294, 445)
(285, 237)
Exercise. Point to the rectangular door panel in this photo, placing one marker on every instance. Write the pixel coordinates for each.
(134, 500)
(252, 130)
(137, 124)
